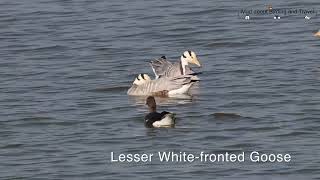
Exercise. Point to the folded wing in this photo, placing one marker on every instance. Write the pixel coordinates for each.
(163, 67)
(160, 66)
(163, 84)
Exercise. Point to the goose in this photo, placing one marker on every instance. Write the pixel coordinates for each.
(163, 86)
(163, 67)
(155, 119)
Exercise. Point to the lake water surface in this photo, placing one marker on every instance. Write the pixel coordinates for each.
(66, 67)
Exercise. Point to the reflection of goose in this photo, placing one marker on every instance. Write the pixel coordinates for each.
(163, 86)
(155, 119)
(161, 100)
(317, 34)
(162, 67)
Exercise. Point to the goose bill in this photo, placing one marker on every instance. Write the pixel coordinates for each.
(196, 62)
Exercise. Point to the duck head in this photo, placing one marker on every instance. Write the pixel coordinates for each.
(151, 103)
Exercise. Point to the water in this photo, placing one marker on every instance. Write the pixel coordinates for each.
(66, 66)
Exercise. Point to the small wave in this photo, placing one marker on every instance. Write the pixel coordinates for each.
(294, 134)
(221, 115)
(41, 120)
(110, 89)
(12, 146)
(36, 118)
(226, 44)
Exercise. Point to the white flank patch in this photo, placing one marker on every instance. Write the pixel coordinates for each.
(183, 90)
(167, 121)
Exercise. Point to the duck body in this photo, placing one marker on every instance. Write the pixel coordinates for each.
(158, 120)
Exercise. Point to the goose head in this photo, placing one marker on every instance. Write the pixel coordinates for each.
(190, 57)
(141, 79)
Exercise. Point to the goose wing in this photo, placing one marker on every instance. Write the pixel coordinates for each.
(160, 66)
(163, 67)
(163, 84)
(176, 70)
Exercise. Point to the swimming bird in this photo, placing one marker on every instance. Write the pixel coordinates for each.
(155, 119)
(163, 67)
(317, 34)
(163, 86)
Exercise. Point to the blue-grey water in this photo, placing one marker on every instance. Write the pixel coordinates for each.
(65, 67)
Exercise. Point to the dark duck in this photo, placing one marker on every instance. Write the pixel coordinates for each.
(155, 119)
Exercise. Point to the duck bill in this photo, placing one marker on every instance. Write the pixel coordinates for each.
(196, 62)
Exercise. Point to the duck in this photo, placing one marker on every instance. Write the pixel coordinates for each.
(164, 86)
(155, 119)
(163, 67)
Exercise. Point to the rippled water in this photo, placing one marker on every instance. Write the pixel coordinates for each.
(66, 66)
